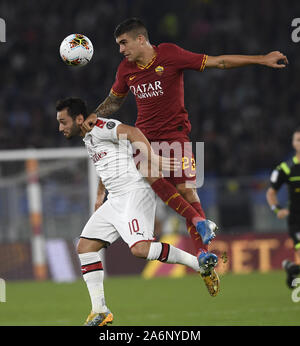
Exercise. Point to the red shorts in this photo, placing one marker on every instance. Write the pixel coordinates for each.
(180, 148)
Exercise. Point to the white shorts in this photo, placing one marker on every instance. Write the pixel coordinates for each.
(129, 216)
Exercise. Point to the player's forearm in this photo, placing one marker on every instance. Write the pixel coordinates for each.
(149, 162)
(273, 59)
(271, 196)
(150, 166)
(232, 61)
(100, 195)
(100, 190)
(109, 106)
(139, 141)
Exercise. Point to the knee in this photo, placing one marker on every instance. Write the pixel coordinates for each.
(141, 249)
(189, 194)
(81, 247)
(88, 245)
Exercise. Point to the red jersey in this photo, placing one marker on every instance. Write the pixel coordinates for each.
(159, 91)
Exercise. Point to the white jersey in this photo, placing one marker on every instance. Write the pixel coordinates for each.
(113, 158)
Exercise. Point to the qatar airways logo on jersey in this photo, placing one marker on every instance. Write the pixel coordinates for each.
(146, 90)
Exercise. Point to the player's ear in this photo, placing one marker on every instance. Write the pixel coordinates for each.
(141, 39)
(79, 119)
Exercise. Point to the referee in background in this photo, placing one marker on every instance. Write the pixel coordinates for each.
(289, 173)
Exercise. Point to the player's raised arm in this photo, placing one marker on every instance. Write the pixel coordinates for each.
(274, 59)
(109, 106)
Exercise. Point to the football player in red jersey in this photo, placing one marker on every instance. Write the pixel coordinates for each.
(154, 74)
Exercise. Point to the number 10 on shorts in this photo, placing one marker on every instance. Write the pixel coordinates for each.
(133, 226)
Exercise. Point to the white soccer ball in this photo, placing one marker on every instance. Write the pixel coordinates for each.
(76, 50)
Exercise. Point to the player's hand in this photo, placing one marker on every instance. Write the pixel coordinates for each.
(275, 60)
(89, 122)
(283, 213)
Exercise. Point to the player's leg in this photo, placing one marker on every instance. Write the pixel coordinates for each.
(167, 253)
(97, 234)
(137, 232)
(186, 185)
(164, 252)
(191, 196)
(93, 275)
(184, 179)
(170, 196)
(166, 189)
(174, 199)
(196, 232)
(201, 231)
(207, 260)
(293, 269)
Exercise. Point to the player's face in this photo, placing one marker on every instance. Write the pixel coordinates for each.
(296, 142)
(67, 125)
(130, 47)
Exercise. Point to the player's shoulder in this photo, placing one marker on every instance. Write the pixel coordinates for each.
(125, 66)
(286, 166)
(103, 127)
(106, 123)
(168, 47)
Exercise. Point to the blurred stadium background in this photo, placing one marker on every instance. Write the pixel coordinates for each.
(244, 116)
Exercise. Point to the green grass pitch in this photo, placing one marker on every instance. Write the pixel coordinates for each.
(244, 300)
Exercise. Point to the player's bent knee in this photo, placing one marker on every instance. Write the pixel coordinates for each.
(140, 249)
(89, 245)
(188, 193)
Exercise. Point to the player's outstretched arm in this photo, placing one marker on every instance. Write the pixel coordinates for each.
(274, 59)
(109, 106)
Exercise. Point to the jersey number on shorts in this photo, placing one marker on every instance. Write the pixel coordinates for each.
(133, 226)
(188, 162)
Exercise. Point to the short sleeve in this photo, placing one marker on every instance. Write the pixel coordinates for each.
(120, 87)
(185, 59)
(106, 129)
(278, 178)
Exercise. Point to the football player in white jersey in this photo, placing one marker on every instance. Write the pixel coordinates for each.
(129, 210)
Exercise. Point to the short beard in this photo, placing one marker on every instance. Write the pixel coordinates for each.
(75, 131)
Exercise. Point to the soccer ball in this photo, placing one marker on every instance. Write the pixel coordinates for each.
(76, 50)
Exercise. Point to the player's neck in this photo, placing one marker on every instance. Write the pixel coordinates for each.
(298, 156)
(147, 55)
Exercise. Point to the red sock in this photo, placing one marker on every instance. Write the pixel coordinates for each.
(198, 207)
(195, 236)
(169, 194)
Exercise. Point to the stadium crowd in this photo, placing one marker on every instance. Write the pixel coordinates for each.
(245, 116)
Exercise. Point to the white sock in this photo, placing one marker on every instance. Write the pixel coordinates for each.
(170, 254)
(92, 272)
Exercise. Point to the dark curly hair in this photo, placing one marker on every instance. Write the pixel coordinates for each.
(74, 105)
